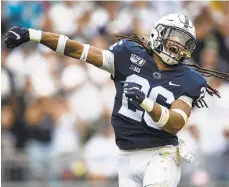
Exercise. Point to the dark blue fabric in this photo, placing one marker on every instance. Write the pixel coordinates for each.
(132, 61)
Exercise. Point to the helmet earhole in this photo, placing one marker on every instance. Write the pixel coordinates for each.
(152, 35)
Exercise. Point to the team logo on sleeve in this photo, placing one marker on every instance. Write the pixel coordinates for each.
(137, 60)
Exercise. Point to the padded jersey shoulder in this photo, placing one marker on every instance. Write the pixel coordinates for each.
(122, 51)
(196, 86)
(124, 46)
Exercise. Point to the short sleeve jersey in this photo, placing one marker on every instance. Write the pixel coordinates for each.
(133, 127)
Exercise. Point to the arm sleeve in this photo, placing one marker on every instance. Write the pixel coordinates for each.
(186, 99)
(108, 62)
(113, 58)
(196, 90)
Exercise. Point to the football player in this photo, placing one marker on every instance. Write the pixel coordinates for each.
(155, 92)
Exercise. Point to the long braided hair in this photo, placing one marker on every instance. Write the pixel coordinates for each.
(204, 72)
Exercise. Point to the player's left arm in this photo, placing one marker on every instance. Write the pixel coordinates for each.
(171, 120)
(175, 117)
(180, 109)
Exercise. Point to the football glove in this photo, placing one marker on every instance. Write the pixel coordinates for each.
(133, 92)
(16, 36)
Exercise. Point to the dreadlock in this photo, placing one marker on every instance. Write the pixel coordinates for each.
(204, 72)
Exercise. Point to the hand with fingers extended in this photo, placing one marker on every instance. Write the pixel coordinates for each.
(16, 36)
(133, 92)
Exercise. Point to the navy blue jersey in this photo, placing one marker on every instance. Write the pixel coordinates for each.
(133, 127)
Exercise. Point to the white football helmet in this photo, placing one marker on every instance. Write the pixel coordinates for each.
(173, 38)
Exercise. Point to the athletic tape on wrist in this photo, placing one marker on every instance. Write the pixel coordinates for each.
(182, 113)
(147, 105)
(35, 35)
(164, 117)
(85, 52)
(61, 44)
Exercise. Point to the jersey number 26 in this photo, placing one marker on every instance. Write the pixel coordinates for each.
(139, 115)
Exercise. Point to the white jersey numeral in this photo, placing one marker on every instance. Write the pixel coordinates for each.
(139, 115)
(202, 93)
(159, 90)
(124, 110)
(115, 44)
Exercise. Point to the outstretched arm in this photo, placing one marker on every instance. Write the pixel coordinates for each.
(73, 48)
(59, 43)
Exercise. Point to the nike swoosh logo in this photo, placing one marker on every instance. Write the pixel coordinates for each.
(18, 37)
(172, 84)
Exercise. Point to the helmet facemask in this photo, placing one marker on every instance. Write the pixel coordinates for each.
(172, 44)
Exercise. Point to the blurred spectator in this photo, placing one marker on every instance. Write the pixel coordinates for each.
(7, 81)
(38, 69)
(209, 36)
(11, 98)
(100, 19)
(66, 12)
(203, 25)
(220, 15)
(225, 156)
(66, 141)
(39, 120)
(15, 60)
(8, 139)
(142, 11)
(107, 96)
(11, 144)
(74, 80)
(66, 135)
(100, 155)
(192, 8)
(90, 109)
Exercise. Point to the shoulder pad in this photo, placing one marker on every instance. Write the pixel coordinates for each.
(124, 45)
(196, 87)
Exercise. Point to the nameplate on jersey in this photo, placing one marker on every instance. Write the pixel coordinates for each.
(137, 60)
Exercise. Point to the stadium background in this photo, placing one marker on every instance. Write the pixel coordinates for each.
(55, 127)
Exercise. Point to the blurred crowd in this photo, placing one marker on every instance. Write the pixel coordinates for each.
(58, 108)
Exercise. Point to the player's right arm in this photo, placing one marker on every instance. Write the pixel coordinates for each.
(59, 43)
(73, 48)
